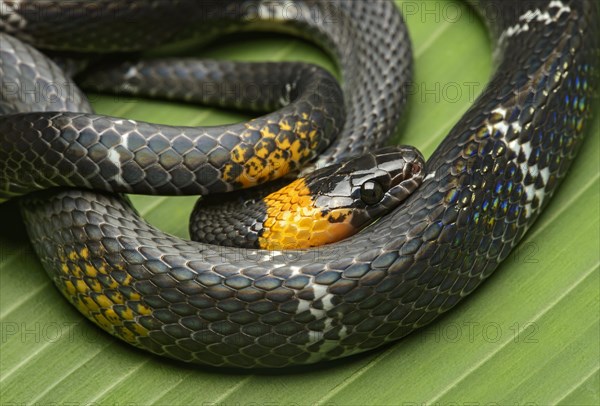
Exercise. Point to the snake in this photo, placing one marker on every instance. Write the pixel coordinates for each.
(483, 187)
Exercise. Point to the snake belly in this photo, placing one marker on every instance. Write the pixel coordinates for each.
(487, 182)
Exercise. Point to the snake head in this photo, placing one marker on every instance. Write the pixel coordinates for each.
(361, 189)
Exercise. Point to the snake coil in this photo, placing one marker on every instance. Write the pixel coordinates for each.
(486, 184)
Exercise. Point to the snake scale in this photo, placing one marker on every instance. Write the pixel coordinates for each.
(486, 184)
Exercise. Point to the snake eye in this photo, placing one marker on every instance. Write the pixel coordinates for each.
(371, 192)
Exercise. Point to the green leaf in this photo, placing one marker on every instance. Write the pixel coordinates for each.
(529, 335)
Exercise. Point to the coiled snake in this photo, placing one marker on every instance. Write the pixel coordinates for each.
(486, 184)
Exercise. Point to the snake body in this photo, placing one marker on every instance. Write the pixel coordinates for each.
(486, 184)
